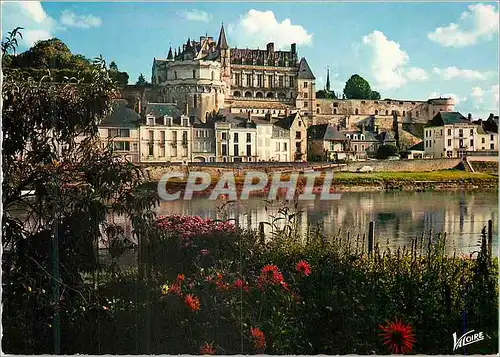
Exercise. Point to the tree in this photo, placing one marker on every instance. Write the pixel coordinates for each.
(141, 80)
(113, 66)
(324, 94)
(51, 146)
(384, 151)
(357, 87)
(375, 95)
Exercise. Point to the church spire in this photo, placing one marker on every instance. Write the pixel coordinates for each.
(222, 43)
(327, 79)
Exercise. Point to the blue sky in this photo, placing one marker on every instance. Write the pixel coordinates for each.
(405, 50)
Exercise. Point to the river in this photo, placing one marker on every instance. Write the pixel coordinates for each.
(398, 216)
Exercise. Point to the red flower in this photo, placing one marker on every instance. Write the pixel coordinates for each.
(222, 285)
(270, 274)
(398, 336)
(240, 284)
(207, 349)
(259, 340)
(175, 289)
(303, 267)
(192, 302)
(180, 277)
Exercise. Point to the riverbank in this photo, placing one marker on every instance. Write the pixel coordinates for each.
(373, 182)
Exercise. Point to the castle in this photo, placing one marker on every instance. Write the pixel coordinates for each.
(209, 76)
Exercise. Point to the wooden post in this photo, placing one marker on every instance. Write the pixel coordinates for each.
(371, 235)
(262, 234)
(490, 236)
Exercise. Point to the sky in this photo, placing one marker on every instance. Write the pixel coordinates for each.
(411, 51)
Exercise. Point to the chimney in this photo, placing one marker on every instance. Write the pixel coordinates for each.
(268, 116)
(249, 116)
(139, 105)
(469, 117)
(362, 128)
(294, 48)
(187, 108)
(286, 112)
(270, 47)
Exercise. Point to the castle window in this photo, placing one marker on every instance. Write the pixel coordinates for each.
(195, 101)
(305, 95)
(317, 110)
(363, 102)
(249, 80)
(259, 80)
(305, 84)
(305, 104)
(270, 81)
(248, 95)
(281, 95)
(175, 74)
(194, 73)
(280, 81)
(292, 84)
(386, 112)
(213, 75)
(270, 95)
(237, 94)
(404, 113)
(376, 112)
(416, 113)
(334, 110)
(356, 111)
(258, 95)
(237, 79)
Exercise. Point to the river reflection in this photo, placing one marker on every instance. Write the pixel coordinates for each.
(398, 216)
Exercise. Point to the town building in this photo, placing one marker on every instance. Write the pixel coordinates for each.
(451, 135)
(166, 135)
(236, 139)
(121, 130)
(326, 143)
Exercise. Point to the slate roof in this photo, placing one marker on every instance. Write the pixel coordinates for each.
(121, 116)
(417, 147)
(162, 109)
(447, 118)
(259, 105)
(386, 136)
(222, 42)
(325, 132)
(304, 70)
(286, 122)
(369, 136)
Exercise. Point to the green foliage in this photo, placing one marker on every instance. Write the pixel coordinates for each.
(323, 94)
(141, 80)
(357, 87)
(384, 151)
(375, 95)
(54, 55)
(50, 146)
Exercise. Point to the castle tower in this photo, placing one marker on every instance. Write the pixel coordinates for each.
(225, 59)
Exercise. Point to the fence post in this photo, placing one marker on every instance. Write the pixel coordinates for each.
(490, 236)
(262, 234)
(371, 234)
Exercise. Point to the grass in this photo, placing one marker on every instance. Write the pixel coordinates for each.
(444, 175)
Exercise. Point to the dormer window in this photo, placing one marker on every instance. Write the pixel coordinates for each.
(150, 120)
(362, 137)
(185, 121)
(355, 137)
(347, 136)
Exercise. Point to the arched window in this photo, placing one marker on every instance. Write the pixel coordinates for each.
(317, 110)
(362, 148)
(355, 147)
(270, 95)
(355, 137)
(281, 95)
(356, 111)
(347, 136)
(259, 95)
(334, 110)
(386, 112)
(404, 112)
(361, 137)
(248, 94)
(237, 94)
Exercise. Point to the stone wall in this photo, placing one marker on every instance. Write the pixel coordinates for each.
(406, 165)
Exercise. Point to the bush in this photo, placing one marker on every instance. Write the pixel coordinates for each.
(384, 151)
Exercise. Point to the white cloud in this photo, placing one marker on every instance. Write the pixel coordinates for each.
(456, 98)
(31, 16)
(478, 22)
(389, 62)
(478, 95)
(257, 28)
(454, 72)
(70, 19)
(417, 74)
(195, 15)
(494, 92)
